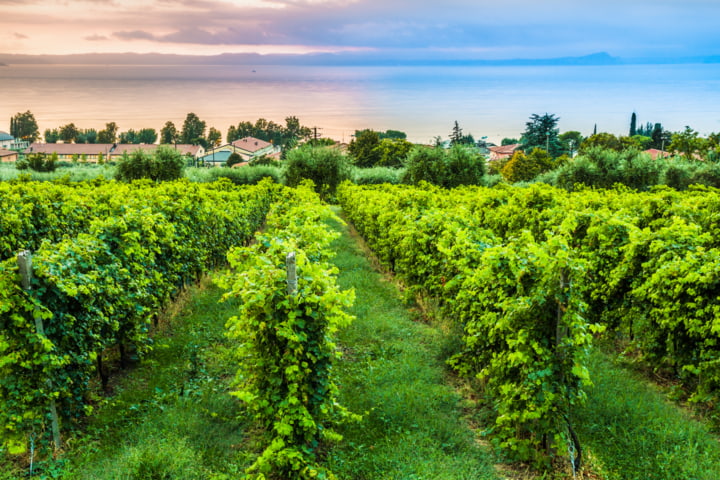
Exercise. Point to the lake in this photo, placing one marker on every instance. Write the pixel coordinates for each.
(422, 101)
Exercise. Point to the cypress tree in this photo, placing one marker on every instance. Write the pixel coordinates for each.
(633, 125)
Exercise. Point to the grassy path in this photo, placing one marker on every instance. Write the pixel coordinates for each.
(635, 433)
(393, 368)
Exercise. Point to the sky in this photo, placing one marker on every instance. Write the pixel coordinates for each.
(478, 29)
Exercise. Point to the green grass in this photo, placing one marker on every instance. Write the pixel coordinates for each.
(170, 417)
(635, 433)
(393, 372)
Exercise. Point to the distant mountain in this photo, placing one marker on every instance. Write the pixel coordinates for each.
(331, 59)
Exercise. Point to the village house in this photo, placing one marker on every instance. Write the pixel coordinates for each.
(8, 155)
(503, 152)
(8, 142)
(248, 148)
(108, 152)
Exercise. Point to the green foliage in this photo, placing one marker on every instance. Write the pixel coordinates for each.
(326, 167)
(512, 287)
(238, 176)
(39, 162)
(24, 126)
(124, 251)
(193, 130)
(164, 164)
(525, 167)
(108, 134)
(460, 165)
(169, 134)
(376, 175)
(604, 168)
(541, 132)
(233, 159)
(364, 149)
(283, 338)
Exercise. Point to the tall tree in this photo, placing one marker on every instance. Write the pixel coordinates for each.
(193, 131)
(109, 134)
(24, 127)
(363, 148)
(69, 132)
(541, 132)
(633, 125)
(688, 144)
(169, 134)
(214, 137)
(456, 136)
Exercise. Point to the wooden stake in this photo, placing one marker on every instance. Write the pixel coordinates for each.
(24, 261)
(292, 283)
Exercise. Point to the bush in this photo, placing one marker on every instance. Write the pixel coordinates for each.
(243, 175)
(424, 164)
(38, 162)
(164, 165)
(376, 175)
(326, 167)
(463, 167)
(233, 159)
(458, 166)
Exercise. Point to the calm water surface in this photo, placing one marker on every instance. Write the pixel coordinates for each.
(422, 101)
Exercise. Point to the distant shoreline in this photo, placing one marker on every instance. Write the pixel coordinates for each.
(329, 60)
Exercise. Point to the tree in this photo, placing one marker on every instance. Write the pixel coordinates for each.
(392, 152)
(214, 137)
(326, 167)
(164, 164)
(233, 159)
(193, 131)
(169, 134)
(571, 141)
(541, 132)
(525, 167)
(69, 132)
(147, 135)
(109, 134)
(363, 149)
(51, 136)
(456, 136)
(687, 143)
(660, 137)
(509, 141)
(87, 136)
(633, 125)
(604, 140)
(24, 127)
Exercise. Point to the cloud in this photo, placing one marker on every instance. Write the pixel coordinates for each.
(96, 38)
(135, 35)
(20, 36)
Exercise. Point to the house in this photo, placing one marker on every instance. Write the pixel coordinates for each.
(655, 153)
(503, 152)
(9, 142)
(8, 155)
(93, 152)
(248, 148)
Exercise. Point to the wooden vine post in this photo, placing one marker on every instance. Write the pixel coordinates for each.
(291, 266)
(24, 261)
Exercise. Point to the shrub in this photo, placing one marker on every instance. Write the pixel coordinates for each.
(165, 164)
(522, 167)
(233, 159)
(326, 167)
(424, 164)
(376, 175)
(39, 163)
(463, 166)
